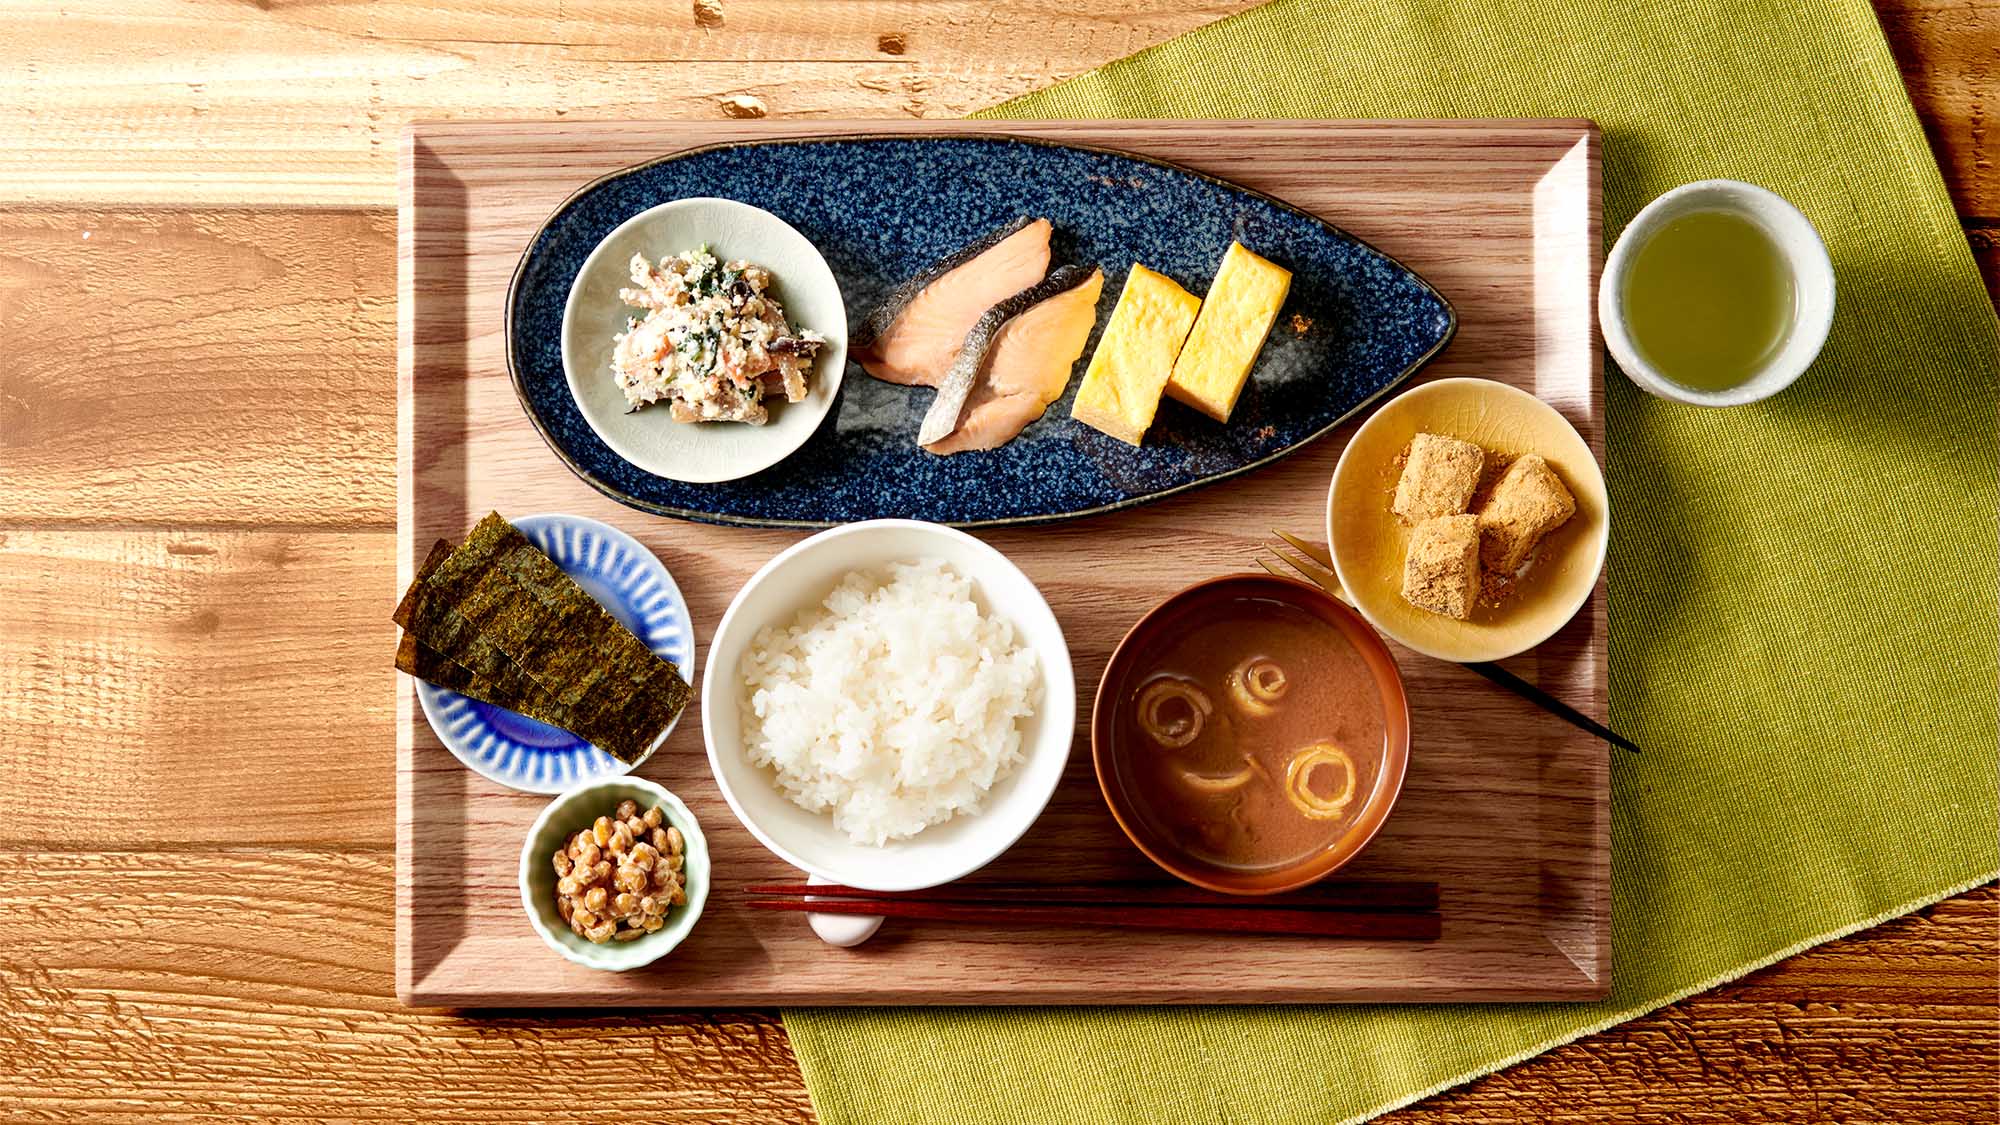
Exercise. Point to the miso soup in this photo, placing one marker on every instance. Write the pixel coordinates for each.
(1252, 732)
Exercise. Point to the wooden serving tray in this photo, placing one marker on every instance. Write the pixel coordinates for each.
(1506, 807)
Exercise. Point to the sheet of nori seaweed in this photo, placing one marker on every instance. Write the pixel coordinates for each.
(612, 659)
(572, 646)
(479, 657)
(459, 631)
(505, 681)
(413, 656)
(499, 617)
(440, 551)
(515, 690)
(509, 687)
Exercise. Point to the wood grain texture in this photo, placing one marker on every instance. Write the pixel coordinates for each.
(1949, 55)
(247, 984)
(185, 687)
(1526, 911)
(168, 368)
(237, 984)
(1985, 238)
(209, 101)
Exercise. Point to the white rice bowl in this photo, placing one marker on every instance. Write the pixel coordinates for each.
(895, 704)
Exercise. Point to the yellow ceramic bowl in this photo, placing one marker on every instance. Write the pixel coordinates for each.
(1368, 541)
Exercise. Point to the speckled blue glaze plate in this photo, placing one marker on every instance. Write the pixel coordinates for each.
(882, 209)
(626, 579)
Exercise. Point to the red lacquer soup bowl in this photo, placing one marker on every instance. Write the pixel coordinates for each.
(1251, 734)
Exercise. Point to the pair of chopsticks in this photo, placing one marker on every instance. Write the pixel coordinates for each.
(1317, 567)
(1378, 911)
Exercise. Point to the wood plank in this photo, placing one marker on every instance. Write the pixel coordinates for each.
(196, 687)
(213, 367)
(138, 987)
(300, 103)
(212, 102)
(249, 983)
(1949, 55)
(1985, 238)
(1527, 912)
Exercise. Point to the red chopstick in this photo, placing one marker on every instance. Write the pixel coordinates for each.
(1369, 896)
(1382, 926)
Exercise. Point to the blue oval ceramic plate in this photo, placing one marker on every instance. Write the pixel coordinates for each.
(630, 582)
(882, 209)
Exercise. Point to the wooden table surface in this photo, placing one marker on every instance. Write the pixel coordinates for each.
(196, 560)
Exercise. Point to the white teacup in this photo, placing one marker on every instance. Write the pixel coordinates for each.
(1805, 254)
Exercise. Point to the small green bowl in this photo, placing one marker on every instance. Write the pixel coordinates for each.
(574, 811)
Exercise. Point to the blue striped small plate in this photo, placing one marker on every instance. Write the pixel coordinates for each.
(630, 582)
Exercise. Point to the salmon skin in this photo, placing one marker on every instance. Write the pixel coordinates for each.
(913, 336)
(1026, 369)
(1015, 361)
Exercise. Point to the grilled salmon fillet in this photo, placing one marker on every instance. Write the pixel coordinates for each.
(917, 333)
(1026, 368)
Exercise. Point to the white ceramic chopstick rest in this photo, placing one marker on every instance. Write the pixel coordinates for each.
(843, 930)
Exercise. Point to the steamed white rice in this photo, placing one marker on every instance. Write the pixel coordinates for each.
(895, 703)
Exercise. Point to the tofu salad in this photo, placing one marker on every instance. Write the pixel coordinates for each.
(712, 341)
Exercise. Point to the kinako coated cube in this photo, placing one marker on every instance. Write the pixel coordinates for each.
(1441, 572)
(1528, 501)
(1439, 477)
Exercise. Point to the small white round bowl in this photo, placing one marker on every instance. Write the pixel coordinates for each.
(798, 578)
(1804, 250)
(574, 811)
(701, 452)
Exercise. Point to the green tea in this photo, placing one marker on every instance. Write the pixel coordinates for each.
(1709, 300)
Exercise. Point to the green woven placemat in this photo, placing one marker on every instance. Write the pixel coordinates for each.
(1803, 592)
